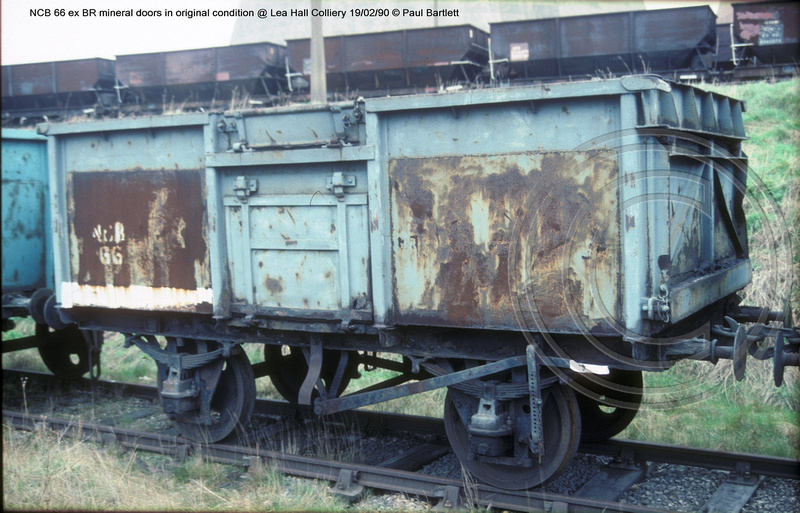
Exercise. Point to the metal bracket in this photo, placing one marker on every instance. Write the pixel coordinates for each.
(182, 452)
(179, 391)
(314, 371)
(357, 114)
(778, 360)
(347, 484)
(490, 420)
(226, 126)
(535, 394)
(208, 378)
(389, 337)
(231, 126)
(244, 187)
(341, 369)
(657, 308)
(489, 428)
(337, 183)
(359, 399)
(451, 499)
(740, 347)
(627, 460)
(741, 474)
(94, 339)
(253, 463)
(110, 440)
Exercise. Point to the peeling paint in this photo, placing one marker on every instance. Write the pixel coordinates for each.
(453, 225)
(138, 228)
(136, 297)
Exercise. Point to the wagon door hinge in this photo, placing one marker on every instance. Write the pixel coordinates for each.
(228, 127)
(337, 183)
(355, 117)
(657, 308)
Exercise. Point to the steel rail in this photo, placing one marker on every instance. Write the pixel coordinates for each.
(389, 421)
(771, 466)
(452, 492)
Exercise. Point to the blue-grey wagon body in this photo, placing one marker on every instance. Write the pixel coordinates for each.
(27, 237)
(600, 209)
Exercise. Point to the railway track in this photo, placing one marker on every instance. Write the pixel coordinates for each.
(626, 462)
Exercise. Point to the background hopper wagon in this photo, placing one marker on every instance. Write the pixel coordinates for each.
(402, 60)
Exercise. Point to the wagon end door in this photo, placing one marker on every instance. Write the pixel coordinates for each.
(684, 220)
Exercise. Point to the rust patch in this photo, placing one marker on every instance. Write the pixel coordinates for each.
(273, 285)
(139, 228)
(454, 223)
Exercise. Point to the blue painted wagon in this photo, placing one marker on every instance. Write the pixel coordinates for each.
(532, 249)
(28, 284)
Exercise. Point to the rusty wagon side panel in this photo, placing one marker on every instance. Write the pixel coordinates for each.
(608, 208)
(604, 209)
(470, 246)
(135, 231)
(454, 239)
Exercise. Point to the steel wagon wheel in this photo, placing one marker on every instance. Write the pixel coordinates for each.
(231, 405)
(612, 404)
(65, 352)
(560, 430)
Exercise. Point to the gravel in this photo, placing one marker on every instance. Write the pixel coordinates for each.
(582, 468)
(674, 487)
(775, 496)
(392, 502)
(447, 466)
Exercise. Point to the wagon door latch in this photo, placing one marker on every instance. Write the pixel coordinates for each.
(338, 182)
(657, 308)
(244, 187)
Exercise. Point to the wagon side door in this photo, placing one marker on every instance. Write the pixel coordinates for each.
(296, 247)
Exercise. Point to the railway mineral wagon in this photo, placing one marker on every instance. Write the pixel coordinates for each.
(28, 284)
(27, 246)
(532, 249)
